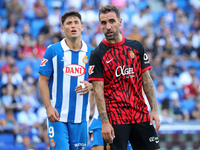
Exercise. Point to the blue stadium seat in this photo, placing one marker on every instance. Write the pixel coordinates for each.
(40, 146)
(7, 139)
(35, 63)
(21, 64)
(182, 4)
(36, 25)
(4, 23)
(156, 16)
(3, 13)
(12, 147)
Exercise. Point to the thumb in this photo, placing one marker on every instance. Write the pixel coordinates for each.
(81, 81)
(57, 114)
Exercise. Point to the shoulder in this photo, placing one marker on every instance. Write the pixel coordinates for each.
(53, 46)
(136, 45)
(90, 47)
(133, 42)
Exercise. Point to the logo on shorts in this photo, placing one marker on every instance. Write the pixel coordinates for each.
(152, 139)
(80, 145)
(52, 144)
(85, 60)
(92, 138)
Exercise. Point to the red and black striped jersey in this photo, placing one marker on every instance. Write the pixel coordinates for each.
(120, 66)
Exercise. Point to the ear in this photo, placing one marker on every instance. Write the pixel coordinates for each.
(120, 22)
(82, 27)
(63, 29)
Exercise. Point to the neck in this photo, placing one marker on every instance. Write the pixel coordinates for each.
(116, 40)
(74, 43)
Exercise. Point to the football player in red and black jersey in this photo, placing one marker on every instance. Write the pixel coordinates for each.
(118, 69)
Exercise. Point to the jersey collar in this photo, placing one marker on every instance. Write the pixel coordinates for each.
(114, 44)
(66, 48)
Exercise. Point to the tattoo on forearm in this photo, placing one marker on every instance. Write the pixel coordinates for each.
(149, 89)
(98, 87)
(103, 116)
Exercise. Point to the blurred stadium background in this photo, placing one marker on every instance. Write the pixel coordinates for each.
(168, 29)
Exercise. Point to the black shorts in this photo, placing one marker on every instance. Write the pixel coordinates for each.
(142, 136)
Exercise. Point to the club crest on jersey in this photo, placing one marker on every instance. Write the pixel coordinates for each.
(52, 144)
(131, 54)
(44, 61)
(85, 59)
(91, 68)
(92, 138)
(74, 70)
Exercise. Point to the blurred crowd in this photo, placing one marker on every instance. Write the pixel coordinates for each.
(170, 35)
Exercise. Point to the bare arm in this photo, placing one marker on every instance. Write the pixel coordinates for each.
(149, 90)
(52, 113)
(44, 90)
(98, 87)
(92, 103)
(107, 130)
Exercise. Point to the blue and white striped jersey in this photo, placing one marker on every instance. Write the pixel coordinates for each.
(66, 68)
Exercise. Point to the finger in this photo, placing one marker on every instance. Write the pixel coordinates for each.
(113, 133)
(157, 125)
(57, 115)
(151, 120)
(78, 88)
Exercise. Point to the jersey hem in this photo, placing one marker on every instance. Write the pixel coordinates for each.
(145, 69)
(95, 79)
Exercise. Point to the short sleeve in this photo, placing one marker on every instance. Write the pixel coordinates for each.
(145, 64)
(46, 66)
(95, 67)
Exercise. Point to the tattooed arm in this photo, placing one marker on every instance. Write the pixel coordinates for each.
(149, 90)
(107, 129)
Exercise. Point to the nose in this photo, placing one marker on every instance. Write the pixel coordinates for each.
(73, 25)
(108, 26)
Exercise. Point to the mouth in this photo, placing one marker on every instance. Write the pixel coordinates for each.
(73, 31)
(109, 33)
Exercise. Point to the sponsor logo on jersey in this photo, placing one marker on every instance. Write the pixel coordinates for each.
(124, 71)
(91, 68)
(74, 70)
(85, 60)
(44, 61)
(131, 54)
(52, 143)
(146, 59)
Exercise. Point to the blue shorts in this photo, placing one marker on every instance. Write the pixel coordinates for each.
(68, 136)
(95, 137)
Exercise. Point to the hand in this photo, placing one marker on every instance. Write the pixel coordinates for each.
(86, 89)
(52, 114)
(107, 132)
(154, 116)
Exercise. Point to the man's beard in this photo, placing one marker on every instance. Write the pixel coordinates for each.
(113, 36)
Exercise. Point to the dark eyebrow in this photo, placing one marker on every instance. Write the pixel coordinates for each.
(111, 19)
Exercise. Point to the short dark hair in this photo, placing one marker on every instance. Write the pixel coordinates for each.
(109, 8)
(69, 14)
